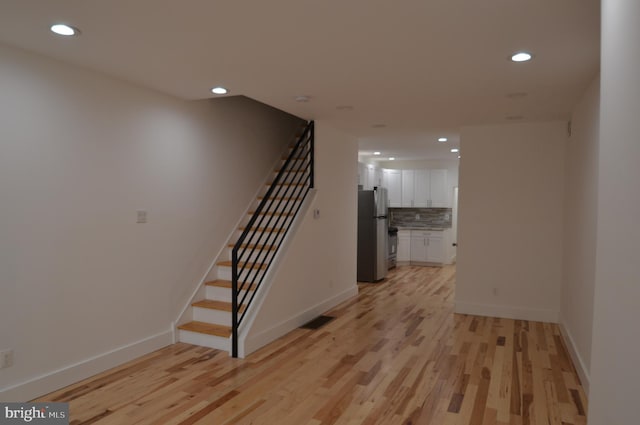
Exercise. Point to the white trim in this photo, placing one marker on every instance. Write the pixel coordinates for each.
(60, 378)
(518, 313)
(254, 342)
(578, 362)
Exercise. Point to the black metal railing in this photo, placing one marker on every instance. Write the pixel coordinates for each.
(258, 244)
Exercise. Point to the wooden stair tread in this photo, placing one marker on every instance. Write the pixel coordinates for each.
(207, 328)
(227, 284)
(216, 305)
(240, 264)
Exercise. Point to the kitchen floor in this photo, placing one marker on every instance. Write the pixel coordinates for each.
(395, 354)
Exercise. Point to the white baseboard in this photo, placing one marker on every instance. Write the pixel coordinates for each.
(578, 362)
(259, 340)
(71, 374)
(518, 313)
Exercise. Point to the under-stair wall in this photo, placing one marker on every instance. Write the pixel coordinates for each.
(319, 269)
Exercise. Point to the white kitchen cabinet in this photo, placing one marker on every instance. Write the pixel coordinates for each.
(392, 180)
(422, 188)
(418, 247)
(439, 196)
(404, 246)
(415, 188)
(435, 249)
(408, 185)
(427, 247)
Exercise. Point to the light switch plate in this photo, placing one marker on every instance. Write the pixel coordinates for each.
(6, 358)
(142, 216)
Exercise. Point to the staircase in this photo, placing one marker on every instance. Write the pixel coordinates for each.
(250, 252)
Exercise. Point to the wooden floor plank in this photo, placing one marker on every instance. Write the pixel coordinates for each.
(395, 354)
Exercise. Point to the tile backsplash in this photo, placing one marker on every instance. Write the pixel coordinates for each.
(419, 217)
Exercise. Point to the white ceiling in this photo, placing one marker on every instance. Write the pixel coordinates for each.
(422, 67)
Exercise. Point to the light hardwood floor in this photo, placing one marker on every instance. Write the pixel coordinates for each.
(396, 354)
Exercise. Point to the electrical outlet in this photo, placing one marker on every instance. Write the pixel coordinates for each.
(6, 358)
(417, 216)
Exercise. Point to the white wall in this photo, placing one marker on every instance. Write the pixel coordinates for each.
(510, 220)
(79, 154)
(319, 269)
(616, 347)
(580, 221)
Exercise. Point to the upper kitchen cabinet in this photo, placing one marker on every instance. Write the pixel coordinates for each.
(423, 189)
(438, 196)
(392, 180)
(408, 188)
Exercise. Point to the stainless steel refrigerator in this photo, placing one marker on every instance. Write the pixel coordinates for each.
(373, 235)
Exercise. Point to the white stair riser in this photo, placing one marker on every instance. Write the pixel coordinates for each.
(204, 340)
(220, 294)
(216, 317)
(224, 273)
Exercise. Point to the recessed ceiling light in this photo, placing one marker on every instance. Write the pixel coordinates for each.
(376, 153)
(458, 156)
(392, 158)
(442, 139)
(521, 57)
(454, 150)
(302, 99)
(62, 29)
(219, 90)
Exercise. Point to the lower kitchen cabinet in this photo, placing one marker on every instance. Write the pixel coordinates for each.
(424, 247)
(427, 247)
(435, 250)
(404, 246)
(418, 247)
